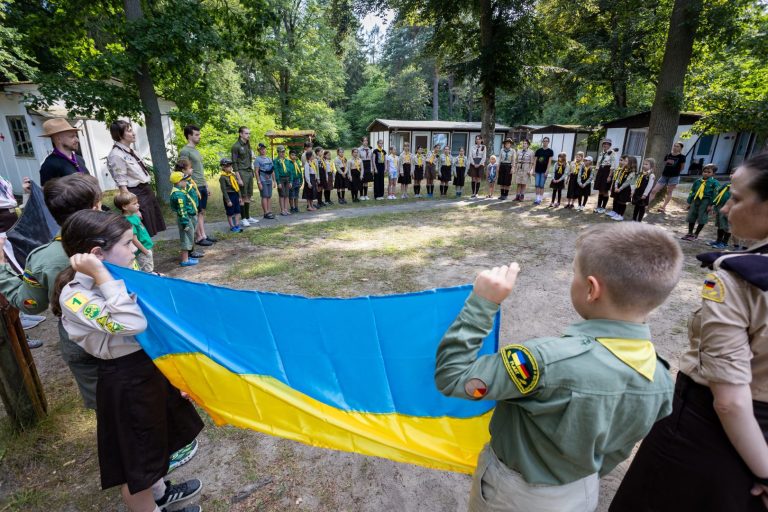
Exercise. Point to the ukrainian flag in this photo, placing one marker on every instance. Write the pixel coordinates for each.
(348, 374)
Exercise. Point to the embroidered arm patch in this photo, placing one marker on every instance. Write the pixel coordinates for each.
(713, 289)
(521, 366)
(30, 280)
(76, 302)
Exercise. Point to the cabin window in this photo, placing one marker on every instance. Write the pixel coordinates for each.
(458, 141)
(440, 138)
(636, 143)
(22, 143)
(704, 147)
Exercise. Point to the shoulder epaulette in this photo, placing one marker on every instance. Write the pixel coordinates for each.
(752, 266)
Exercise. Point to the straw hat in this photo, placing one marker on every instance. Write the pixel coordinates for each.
(53, 126)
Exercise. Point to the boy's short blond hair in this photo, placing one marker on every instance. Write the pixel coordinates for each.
(713, 167)
(639, 264)
(123, 199)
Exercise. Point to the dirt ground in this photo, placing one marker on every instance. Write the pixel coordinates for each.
(54, 467)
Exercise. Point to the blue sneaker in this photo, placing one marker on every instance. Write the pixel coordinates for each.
(181, 457)
(236, 229)
(190, 262)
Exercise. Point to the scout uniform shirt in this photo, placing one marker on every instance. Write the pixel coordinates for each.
(703, 190)
(126, 167)
(507, 156)
(525, 160)
(102, 319)
(722, 196)
(242, 156)
(586, 175)
(31, 291)
(183, 204)
(606, 159)
(729, 333)
(478, 154)
(567, 407)
(282, 168)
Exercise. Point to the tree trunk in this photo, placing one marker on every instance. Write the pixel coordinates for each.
(450, 96)
(152, 116)
(20, 388)
(285, 99)
(665, 113)
(436, 94)
(487, 83)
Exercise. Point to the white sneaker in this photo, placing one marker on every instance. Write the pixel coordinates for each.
(599, 210)
(617, 217)
(30, 321)
(244, 223)
(252, 220)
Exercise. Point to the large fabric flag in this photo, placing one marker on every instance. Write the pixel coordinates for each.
(348, 374)
(35, 227)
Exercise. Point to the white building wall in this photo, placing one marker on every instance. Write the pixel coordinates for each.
(95, 141)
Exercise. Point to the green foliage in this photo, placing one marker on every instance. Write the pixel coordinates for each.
(15, 61)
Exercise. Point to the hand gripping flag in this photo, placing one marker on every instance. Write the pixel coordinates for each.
(348, 374)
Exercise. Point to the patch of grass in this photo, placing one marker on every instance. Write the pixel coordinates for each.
(26, 499)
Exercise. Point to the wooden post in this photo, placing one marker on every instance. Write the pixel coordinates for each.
(20, 387)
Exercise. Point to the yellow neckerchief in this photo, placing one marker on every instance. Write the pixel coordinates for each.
(381, 155)
(447, 159)
(432, 158)
(407, 157)
(721, 194)
(700, 193)
(232, 180)
(325, 165)
(419, 159)
(585, 171)
(313, 166)
(637, 354)
(639, 180)
(460, 161)
(194, 186)
(282, 163)
(57, 238)
(394, 160)
(621, 175)
(576, 167)
(194, 206)
(560, 170)
(357, 162)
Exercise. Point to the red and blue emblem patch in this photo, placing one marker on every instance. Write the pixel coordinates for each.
(521, 366)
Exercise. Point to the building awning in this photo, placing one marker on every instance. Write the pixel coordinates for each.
(563, 128)
(289, 134)
(643, 119)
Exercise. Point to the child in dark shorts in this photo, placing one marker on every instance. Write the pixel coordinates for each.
(230, 191)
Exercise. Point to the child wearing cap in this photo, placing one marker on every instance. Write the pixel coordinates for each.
(722, 196)
(185, 207)
(230, 192)
(282, 167)
(584, 182)
(569, 408)
(643, 187)
(700, 201)
(297, 178)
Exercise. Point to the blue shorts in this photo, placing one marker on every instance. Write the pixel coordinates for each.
(541, 179)
(234, 198)
(203, 203)
(668, 180)
(266, 185)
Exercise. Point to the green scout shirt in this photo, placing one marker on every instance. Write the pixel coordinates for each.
(282, 167)
(567, 407)
(722, 196)
(140, 231)
(297, 173)
(710, 189)
(194, 156)
(31, 292)
(183, 204)
(242, 156)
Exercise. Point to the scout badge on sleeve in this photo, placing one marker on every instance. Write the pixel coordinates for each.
(475, 388)
(713, 289)
(75, 302)
(521, 367)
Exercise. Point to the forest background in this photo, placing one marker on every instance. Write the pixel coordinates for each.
(310, 64)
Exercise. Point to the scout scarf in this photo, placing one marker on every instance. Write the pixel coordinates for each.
(446, 160)
(585, 171)
(432, 158)
(313, 166)
(559, 170)
(700, 193)
(406, 158)
(380, 156)
(460, 161)
(232, 180)
(506, 159)
(73, 160)
(477, 150)
(621, 175)
(282, 163)
(639, 180)
(357, 162)
(721, 194)
(419, 160)
(576, 167)
(194, 186)
(637, 354)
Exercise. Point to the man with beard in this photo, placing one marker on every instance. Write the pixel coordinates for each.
(64, 160)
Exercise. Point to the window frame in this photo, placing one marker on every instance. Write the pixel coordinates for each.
(24, 129)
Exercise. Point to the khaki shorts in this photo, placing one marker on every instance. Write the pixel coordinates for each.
(247, 188)
(497, 488)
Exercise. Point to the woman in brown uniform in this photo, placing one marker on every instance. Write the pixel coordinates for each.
(711, 453)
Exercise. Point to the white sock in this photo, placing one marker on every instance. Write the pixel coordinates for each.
(158, 489)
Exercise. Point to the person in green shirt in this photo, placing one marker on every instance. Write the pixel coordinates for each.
(700, 201)
(185, 207)
(297, 178)
(722, 196)
(282, 167)
(191, 153)
(569, 408)
(128, 204)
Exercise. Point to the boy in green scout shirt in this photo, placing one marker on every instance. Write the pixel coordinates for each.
(700, 201)
(722, 196)
(569, 408)
(185, 207)
(128, 204)
(297, 178)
